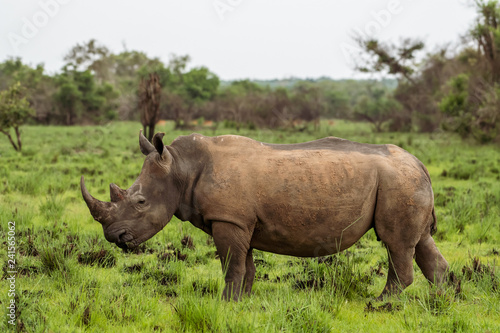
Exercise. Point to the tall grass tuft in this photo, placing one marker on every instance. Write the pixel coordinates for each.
(339, 273)
(53, 208)
(199, 314)
(438, 300)
(53, 260)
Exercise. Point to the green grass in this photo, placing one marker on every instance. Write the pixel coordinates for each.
(70, 279)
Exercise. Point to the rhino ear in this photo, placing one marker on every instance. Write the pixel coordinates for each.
(145, 145)
(158, 143)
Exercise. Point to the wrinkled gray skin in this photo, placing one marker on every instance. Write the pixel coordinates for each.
(309, 199)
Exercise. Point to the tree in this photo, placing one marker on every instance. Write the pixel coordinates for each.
(463, 84)
(69, 98)
(14, 111)
(486, 33)
(80, 98)
(38, 86)
(396, 60)
(90, 56)
(308, 102)
(337, 103)
(149, 103)
(200, 84)
(470, 96)
(247, 103)
(195, 87)
(378, 107)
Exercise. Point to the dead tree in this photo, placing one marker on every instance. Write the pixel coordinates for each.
(149, 103)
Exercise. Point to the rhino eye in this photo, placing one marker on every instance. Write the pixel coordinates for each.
(141, 202)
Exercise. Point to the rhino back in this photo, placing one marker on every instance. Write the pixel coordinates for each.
(334, 144)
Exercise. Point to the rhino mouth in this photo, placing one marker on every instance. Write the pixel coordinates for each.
(125, 247)
(127, 242)
(120, 237)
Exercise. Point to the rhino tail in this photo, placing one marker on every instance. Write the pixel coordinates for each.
(434, 219)
(434, 222)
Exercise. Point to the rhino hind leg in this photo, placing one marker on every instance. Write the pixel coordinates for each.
(400, 273)
(416, 243)
(233, 249)
(401, 230)
(432, 263)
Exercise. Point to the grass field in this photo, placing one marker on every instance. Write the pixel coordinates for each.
(70, 279)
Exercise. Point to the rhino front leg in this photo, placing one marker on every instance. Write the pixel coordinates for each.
(233, 245)
(250, 272)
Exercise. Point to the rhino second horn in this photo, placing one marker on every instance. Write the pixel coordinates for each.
(99, 209)
(116, 193)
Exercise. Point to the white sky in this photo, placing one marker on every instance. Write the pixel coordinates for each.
(257, 39)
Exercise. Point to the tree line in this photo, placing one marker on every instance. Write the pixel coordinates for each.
(96, 85)
(454, 89)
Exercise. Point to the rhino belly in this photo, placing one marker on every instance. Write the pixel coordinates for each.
(313, 230)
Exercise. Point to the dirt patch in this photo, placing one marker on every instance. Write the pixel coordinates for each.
(28, 271)
(478, 271)
(135, 268)
(204, 289)
(176, 254)
(101, 258)
(377, 270)
(187, 241)
(264, 277)
(86, 316)
(141, 249)
(168, 279)
(386, 307)
(477, 268)
(72, 238)
(68, 249)
(29, 248)
(313, 283)
(285, 277)
(327, 260)
(160, 276)
(454, 281)
(212, 254)
(260, 263)
(170, 293)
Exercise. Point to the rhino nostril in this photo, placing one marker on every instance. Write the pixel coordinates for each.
(120, 237)
(124, 237)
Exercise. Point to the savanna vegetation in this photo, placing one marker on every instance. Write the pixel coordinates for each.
(443, 107)
(71, 279)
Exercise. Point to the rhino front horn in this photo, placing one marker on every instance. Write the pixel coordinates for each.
(100, 210)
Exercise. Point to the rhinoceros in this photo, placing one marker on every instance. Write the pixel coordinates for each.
(306, 200)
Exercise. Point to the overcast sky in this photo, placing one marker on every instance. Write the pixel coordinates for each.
(235, 39)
